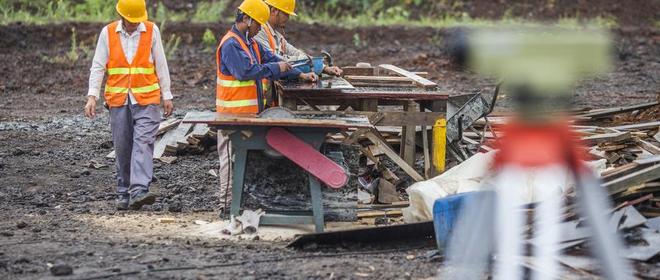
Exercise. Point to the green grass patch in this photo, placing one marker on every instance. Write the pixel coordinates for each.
(447, 21)
(57, 11)
(360, 13)
(209, 11)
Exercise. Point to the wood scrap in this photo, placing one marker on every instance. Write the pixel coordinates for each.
(651, 148)
(609, 112)
(608, 137)
(379, 213)
(423, 82)
(394, 156)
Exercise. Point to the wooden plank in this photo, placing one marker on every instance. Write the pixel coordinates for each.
(619, 110)
(168, 125)
(638, 126)
(370, 105)
(635, 178)
(394, 156)
(200, 131)
(336, 97)
(389, 118)
(398, 204)
(408, 137)
(383, 84)
(362, 71)
(232, 120)
(427, 154)
(423, 82)
(481, 146)
(379, 213)
(608, 137)
(170, 138)
(653, 149)
(380, 80)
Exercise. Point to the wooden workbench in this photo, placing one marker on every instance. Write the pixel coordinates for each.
(422, 103)
(247, 133)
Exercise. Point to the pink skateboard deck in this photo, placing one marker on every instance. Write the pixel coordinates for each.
(308, 158)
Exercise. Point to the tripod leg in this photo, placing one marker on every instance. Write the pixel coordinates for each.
(593, 204)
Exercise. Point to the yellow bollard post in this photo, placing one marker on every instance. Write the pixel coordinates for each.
(439, 144)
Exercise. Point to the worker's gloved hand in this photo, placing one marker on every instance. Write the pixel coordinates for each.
(309, 77)
(333, 70)
(168, 108)
(284, 66)
(90, 107)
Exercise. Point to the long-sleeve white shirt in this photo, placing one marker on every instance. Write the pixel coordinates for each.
(283, 49)
(129, 42)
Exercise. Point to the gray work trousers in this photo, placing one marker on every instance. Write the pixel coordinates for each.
(134, 130)
(224, 174)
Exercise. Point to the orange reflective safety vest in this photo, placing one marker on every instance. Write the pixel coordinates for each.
(138, 76)
(232, 95)
(271, 38)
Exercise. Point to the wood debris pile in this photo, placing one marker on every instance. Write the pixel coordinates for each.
(627, 138)
(175, 138)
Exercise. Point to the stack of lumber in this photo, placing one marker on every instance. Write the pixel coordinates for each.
(175, 138)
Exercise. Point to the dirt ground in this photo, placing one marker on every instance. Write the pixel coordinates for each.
(54, 208)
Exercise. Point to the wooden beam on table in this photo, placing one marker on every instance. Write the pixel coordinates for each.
(233, 120)
(394, 118)
(388, 80)
(393, 156)
(361, 71)
(382, 84)
(423, 82)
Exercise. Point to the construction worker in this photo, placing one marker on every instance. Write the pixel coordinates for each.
(244, 69)
(131, 52)
(280, 11)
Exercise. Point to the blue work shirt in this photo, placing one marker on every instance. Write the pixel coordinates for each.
(236, 63)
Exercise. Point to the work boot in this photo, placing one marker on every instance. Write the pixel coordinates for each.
(122, 201)
(140, 198)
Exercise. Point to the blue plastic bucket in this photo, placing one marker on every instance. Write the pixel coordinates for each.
(318, 65)
(446, 212)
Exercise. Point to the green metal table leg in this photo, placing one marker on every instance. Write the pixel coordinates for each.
(317, 203)
(240, 161)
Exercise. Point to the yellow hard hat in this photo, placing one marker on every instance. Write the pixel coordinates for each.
(256, 9)
(132, 10)
(287, 6)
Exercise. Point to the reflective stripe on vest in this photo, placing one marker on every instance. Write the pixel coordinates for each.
(236, 103)
(133, 70)
(140, 90)
(237, 83)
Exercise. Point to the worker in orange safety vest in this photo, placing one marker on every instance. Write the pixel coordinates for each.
(130, 52)
(244, 70)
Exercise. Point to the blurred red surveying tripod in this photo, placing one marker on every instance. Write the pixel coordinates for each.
(539, 68)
